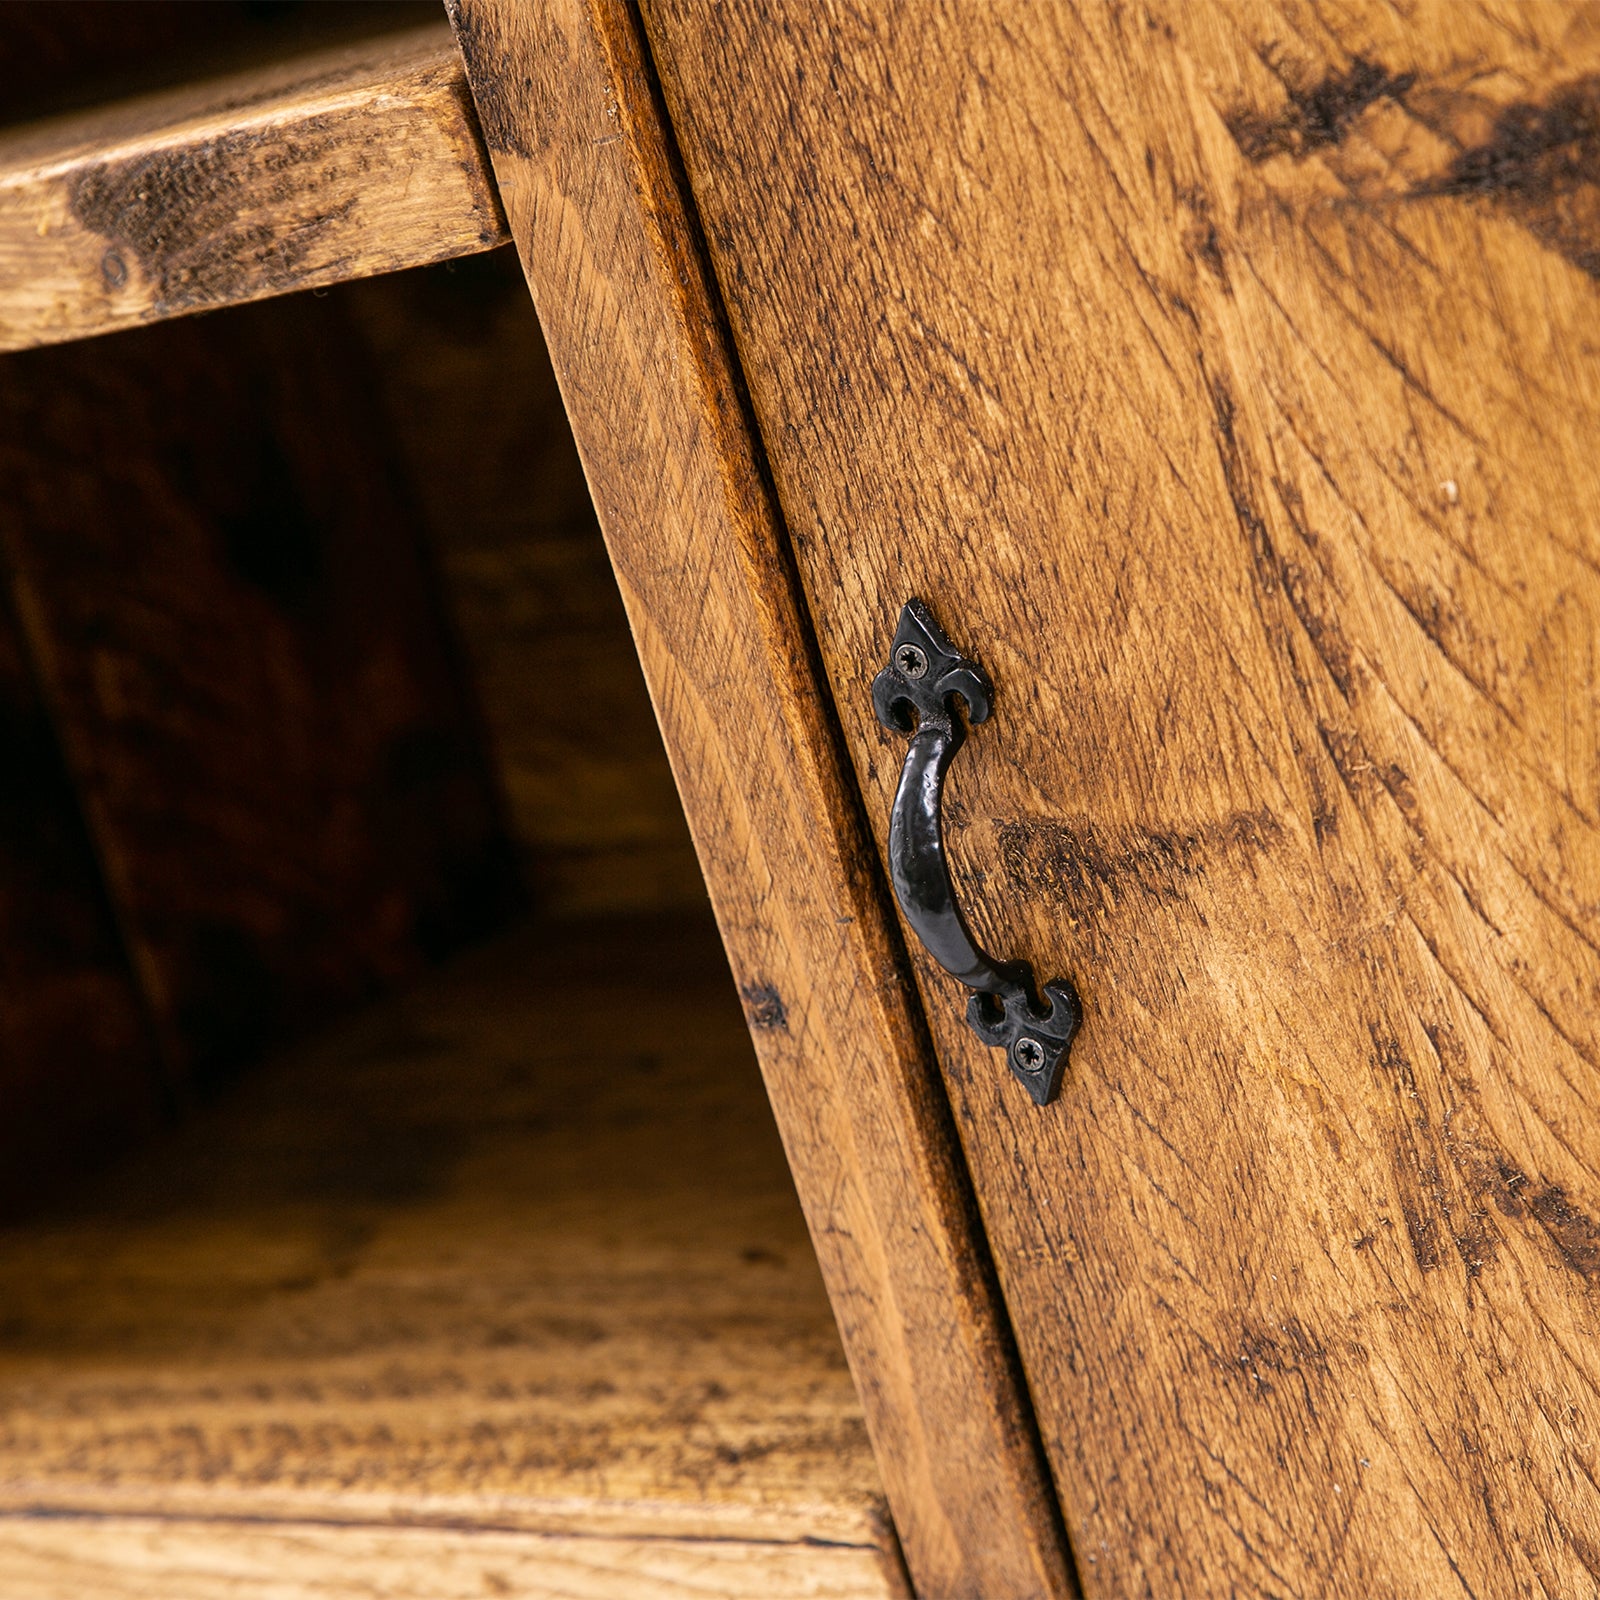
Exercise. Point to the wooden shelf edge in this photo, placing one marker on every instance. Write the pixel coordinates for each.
(199, 1559)
(341, 164)
(840, 1522)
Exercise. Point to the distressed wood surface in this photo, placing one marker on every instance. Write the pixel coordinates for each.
(339, 164)
(506, 1277)
(1226, 378)
(223, 585)
(600, 222)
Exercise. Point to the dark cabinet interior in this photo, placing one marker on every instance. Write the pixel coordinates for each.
(317, 675)
(381, 1144)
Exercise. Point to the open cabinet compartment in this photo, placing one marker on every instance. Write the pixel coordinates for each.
(499, 1288)
(488, 1275)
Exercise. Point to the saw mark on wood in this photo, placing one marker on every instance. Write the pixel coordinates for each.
(1305, 588)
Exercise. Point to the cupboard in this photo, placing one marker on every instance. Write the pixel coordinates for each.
(1221, 380)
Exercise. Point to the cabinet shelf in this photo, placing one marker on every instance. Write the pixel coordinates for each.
(501, 1287)
(339, 164)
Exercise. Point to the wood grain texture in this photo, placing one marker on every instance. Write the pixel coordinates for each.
(599, 220)
(224, 588)
(125, 1558)
(1225, 376)
(460, 372)
(340, 164)
(504, 1261)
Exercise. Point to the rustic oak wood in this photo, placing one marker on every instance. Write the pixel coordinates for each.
(609, 249)
(502, 1287)
(1225, 376)
(339, 164)
(126, 1558)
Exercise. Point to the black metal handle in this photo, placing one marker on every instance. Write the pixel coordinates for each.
(915, 694)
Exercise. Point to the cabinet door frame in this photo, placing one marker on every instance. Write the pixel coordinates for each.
(610, 243)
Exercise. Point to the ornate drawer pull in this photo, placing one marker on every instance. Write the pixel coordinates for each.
(914, 695)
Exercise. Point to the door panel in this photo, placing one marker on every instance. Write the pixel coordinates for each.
(1225, 378)
(595, 202)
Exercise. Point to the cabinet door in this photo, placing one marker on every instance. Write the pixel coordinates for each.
(1226, 379)
(607, 236)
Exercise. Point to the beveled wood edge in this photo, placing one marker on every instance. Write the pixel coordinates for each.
(338, 164)
(609, 240)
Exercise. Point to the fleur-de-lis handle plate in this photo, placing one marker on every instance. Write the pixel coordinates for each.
(916, 694)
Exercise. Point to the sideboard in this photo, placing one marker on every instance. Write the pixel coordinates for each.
(1103, 499)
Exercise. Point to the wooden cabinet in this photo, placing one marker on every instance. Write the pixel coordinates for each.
(1223, 377)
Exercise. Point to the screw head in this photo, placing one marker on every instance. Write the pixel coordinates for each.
(911, 661)
(1027, 1054)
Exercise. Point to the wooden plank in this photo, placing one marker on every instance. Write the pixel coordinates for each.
(600, 222)
(1225, 376)
(513, 1260)
(223, 584)
(126, 1558)
(460, 369)
(339, 164)
(79, 1070)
